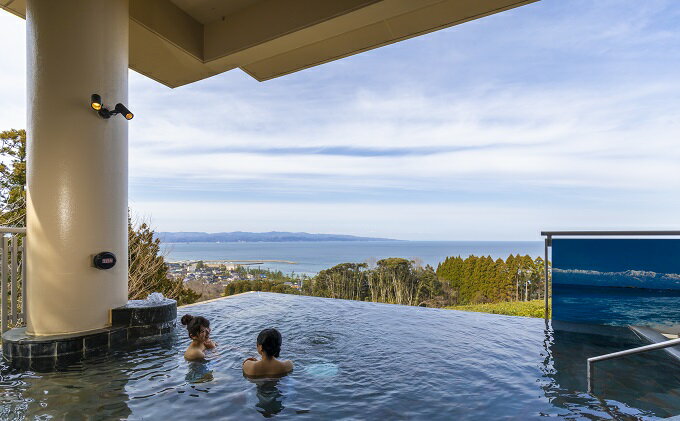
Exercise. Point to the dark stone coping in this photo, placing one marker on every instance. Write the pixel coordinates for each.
(17, 343)
(139, 320)
(143, 313)
(591, 329)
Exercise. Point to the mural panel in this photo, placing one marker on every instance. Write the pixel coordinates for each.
(617, 281)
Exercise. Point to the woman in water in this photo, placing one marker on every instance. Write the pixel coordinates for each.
(268, 346)
(199, 332)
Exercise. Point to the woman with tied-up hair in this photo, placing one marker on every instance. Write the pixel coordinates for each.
(268, 346)
(199, 332)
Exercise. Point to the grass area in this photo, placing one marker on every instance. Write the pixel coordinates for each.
(534, 308)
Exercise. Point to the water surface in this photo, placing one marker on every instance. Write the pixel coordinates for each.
(356, 360)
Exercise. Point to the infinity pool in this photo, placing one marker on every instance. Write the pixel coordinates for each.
(357, 360)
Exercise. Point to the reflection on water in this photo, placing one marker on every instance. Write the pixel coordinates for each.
(322, 369)
(269, 397)
(199, 372)
(632, 387)
(65, 394)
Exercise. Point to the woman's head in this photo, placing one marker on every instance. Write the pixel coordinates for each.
(198, 327)
(269, 342)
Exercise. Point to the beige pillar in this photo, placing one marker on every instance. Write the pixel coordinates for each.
(77, 163)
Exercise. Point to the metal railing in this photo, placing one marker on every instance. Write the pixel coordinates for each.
(652, 347)
(12, 277)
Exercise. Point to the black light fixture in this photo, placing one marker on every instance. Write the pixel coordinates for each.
(121, 109)
(97, 105)
(96, 102)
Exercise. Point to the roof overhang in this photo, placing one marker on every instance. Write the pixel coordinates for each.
(177, 42)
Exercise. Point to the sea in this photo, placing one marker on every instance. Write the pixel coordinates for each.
(310, 257)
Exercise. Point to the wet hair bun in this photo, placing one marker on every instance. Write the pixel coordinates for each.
(186, 319)
(194, 324)
(270, 340)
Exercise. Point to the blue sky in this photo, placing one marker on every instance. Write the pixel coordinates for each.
(557, 115)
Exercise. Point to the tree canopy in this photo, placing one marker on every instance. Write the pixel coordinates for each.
(457, 281)
(13, 178)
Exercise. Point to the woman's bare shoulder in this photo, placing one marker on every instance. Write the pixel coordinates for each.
(193, 354)
(249, 366)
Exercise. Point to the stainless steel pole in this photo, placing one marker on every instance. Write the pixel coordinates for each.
(652, 347)
(548, 242)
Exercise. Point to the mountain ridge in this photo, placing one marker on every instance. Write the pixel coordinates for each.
(244, 236)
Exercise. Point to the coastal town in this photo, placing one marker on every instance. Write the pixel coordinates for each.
(209, 278)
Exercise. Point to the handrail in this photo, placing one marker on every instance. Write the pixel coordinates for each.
(12, 230)
(652, 347)
(12, 277)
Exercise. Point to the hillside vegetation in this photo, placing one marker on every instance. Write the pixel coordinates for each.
(456, 281)
(533, 308)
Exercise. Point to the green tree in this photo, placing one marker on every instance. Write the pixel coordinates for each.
(13, 178)
(147, 269)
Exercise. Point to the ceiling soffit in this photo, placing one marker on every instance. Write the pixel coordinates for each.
(177, 42)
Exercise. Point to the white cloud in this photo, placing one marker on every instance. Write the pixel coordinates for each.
(554, 115)
(553, 138)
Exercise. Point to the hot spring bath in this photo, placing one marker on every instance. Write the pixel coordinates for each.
(356, 360)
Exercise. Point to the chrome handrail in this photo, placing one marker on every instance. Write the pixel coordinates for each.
(652, 347)
(12, 269)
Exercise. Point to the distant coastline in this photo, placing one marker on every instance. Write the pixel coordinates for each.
(256, 237)
(314, 256)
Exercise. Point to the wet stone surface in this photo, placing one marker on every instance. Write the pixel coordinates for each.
(139, 319)
(144, 313)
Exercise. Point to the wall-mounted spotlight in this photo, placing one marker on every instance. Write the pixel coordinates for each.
(121, 109)
(97, 105)
(96, 102)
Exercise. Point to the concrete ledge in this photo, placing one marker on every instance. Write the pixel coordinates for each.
(138, 320)
(591, 329)
(654, 336)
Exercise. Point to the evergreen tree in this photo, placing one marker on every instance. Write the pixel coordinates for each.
(147, 269)
(13, 178)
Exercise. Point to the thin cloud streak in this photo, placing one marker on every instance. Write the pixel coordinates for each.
(556, 115)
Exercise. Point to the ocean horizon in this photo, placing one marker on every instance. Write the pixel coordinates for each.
(311, 257)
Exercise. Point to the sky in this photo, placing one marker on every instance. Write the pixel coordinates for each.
(563, 114)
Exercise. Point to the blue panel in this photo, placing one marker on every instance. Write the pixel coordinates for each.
(617, 282)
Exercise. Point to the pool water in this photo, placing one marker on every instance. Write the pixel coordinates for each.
(356, 360)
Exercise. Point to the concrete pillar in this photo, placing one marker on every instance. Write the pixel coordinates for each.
(77, 163)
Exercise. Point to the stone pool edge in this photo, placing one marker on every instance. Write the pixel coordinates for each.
(137, 320)
(217, 299)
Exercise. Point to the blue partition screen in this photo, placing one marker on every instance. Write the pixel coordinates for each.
(617, 281)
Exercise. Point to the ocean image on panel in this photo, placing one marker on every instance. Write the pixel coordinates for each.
(617, 282)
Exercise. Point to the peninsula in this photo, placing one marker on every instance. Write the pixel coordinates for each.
(240, 236)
